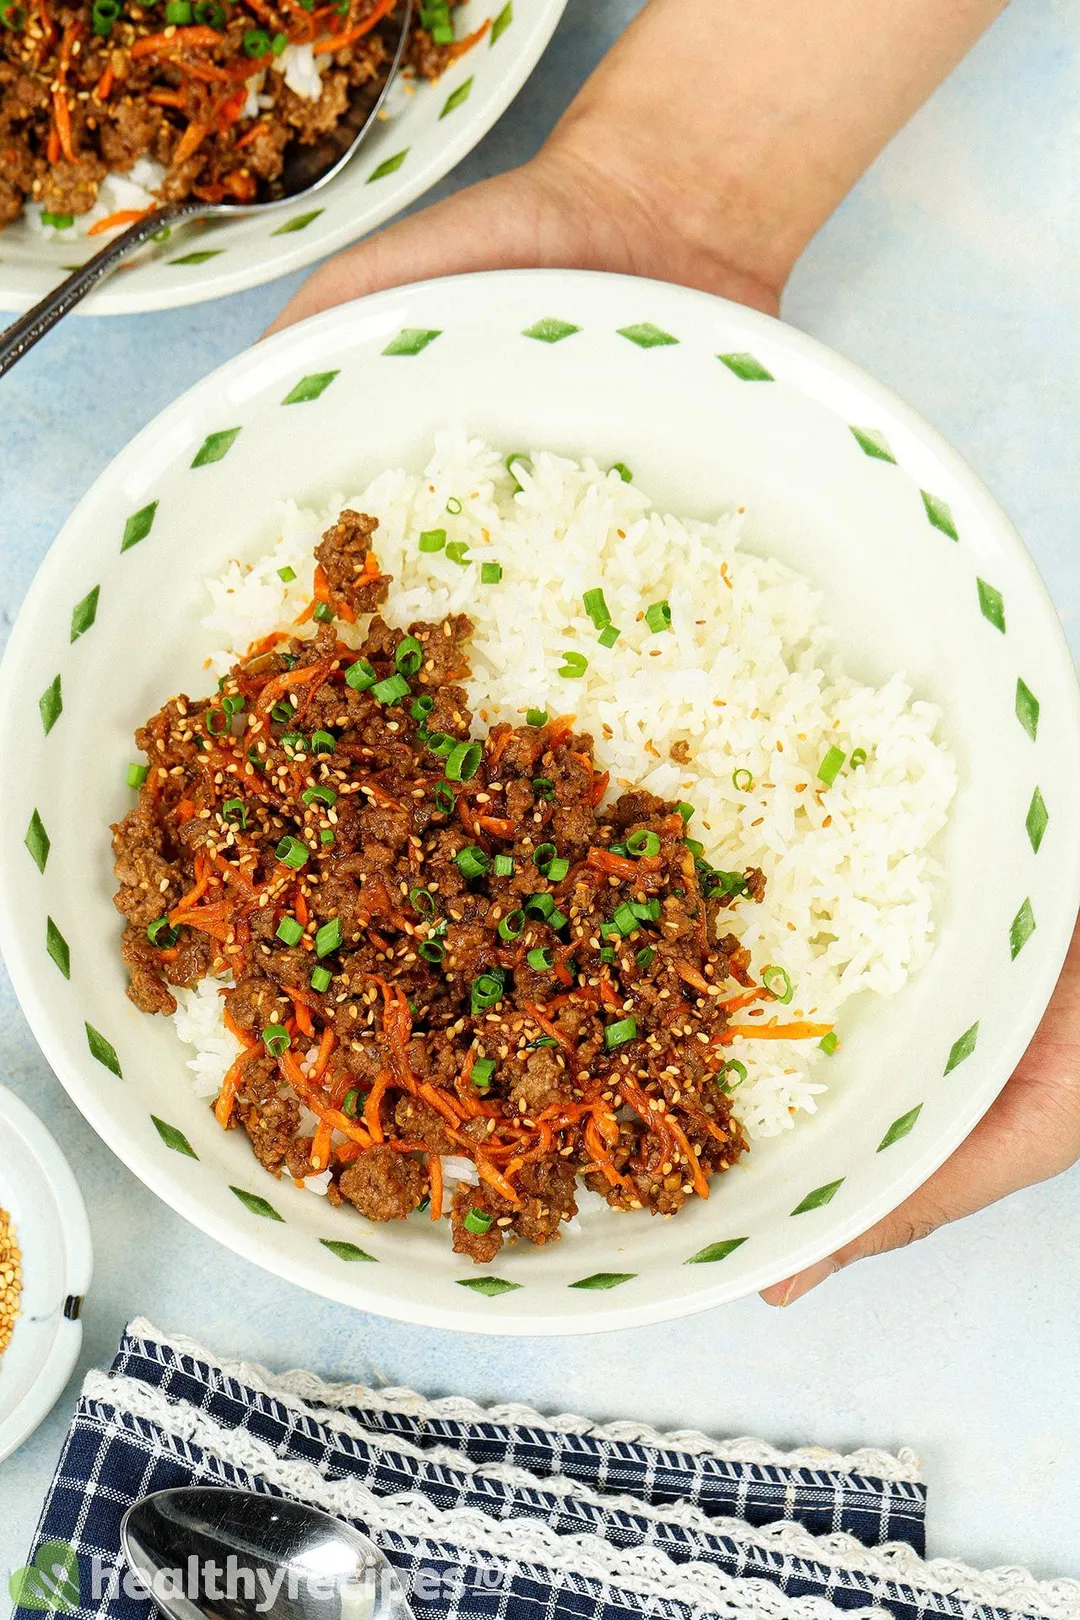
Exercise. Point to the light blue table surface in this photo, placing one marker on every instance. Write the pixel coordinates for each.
(951, 274)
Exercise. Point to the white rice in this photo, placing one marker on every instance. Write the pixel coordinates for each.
(747, 678)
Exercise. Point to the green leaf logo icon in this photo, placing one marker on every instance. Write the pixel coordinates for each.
(51, 1583)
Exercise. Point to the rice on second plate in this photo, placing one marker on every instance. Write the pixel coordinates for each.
(737, 705)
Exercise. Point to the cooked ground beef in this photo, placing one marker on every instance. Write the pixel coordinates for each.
(81, 96)
(439, 945)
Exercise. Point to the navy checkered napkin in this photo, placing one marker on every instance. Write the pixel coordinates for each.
(500, 1514)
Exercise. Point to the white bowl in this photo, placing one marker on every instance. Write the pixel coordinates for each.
(740, 409)
(430, 131)
(42, 1197)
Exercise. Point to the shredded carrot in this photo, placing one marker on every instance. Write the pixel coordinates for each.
(52, 149)
(303, 1017)
(371, 1107)
(103, 88)
(600, 787)
(460, 46)
(167, 98)
(602, 860)
(351, 35)
(159, 44)
(608, 994)
(697, 1175)
(62, 114)
(320, 1145)
(497, 826)
(243, 1035)
(690, 975)
(249, 134)
(281, 684)
(494, 1178)
(229, 1086)
(601, 1157)
(189, 142)
(775, 1032)
(300, 906)
(327, 1042)
(435, 1173)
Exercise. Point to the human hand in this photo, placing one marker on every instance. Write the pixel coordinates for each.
(1030, 1133)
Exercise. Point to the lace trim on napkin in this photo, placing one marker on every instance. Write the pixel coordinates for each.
(940, 1586)
(874, 1464)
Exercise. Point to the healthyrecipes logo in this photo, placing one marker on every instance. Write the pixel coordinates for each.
(51, 1582)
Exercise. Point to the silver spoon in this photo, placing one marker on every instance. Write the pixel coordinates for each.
(306, 169)
(217, 1554)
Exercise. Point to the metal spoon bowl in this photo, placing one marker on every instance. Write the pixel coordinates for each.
(219, 1554)
(306, 169)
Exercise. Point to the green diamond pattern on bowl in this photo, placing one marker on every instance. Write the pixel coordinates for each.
(410, 340)
(173, 1137)
(646, 335)
(388, 165)
(747, 367)
(900, 1127)
(550, 330)
(819, 1196)
(138, 526)
(57, 947)
(1021, 929)
(488, 1285)
(309, 388)
(962, 1048)
(714, 1251)
(991, 605)
(51, 704)
(257, 1204)
(103, 1050)
(456, 97)
(199, 257)
(873, 443)
(37, 841)
(940, 514)
(502, 21)
(605, 1279)
(1037, 819)
(298, 222)
(215, 447)
(345, 1251)
(1027, 709)
(84, 613)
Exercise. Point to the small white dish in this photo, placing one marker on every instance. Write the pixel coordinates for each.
(713, 406)
(41, 1195)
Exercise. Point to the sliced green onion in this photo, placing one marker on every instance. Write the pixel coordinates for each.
(481, 1073)
(162, 934)
(422, 707)
(858, 757)
(257, 43)
(543, 787)
(610, 930)
(329, 937)
(408, 655)
(619, 849)
(557, 869)
(103, 13)
(136, 775)
(540, 906)
(742, 779)
(464, 762)
(255, 759)
(282, 712)
(392, 690)
(556, 920)
(609, 635)
(319, 795)
(350, 1103)
(322, 742)
(536, 717)
(276, 1039)
(210, 13)
(778, 982)
(232, 703)
(728, 883)
(326, 836)
(442, 34)
(279, 42)
(432, 950)
(607, 953)
(360, 675)
(511, 925)
(490, 573)
(320, 979)
(542, 854)
(695, 847)
(573, 667)
(291, 852)
(456, 550)
(685, 810)
(829, 769)
(617, 1034)
(13, 15)
(643, 842)
(294, 740)
(624, 918)
(444, 799)
(453, 506)
(440, 742)
(733, 1066)
(472, 862)
(216, 722)
(829, 1043)
(644, 957)
(59, 222)
(658, 616)
(235, 810)
(515, 456)
(596, 607)
(433, 540)
(486, 991)
(623, 471)
(179, 12)
(503, 866)
(323, 612)
(477, 1220)
(290, 931)
(541, 960)
(646, 910)
(422, 901)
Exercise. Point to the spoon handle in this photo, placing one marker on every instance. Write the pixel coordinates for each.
(22, 334)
